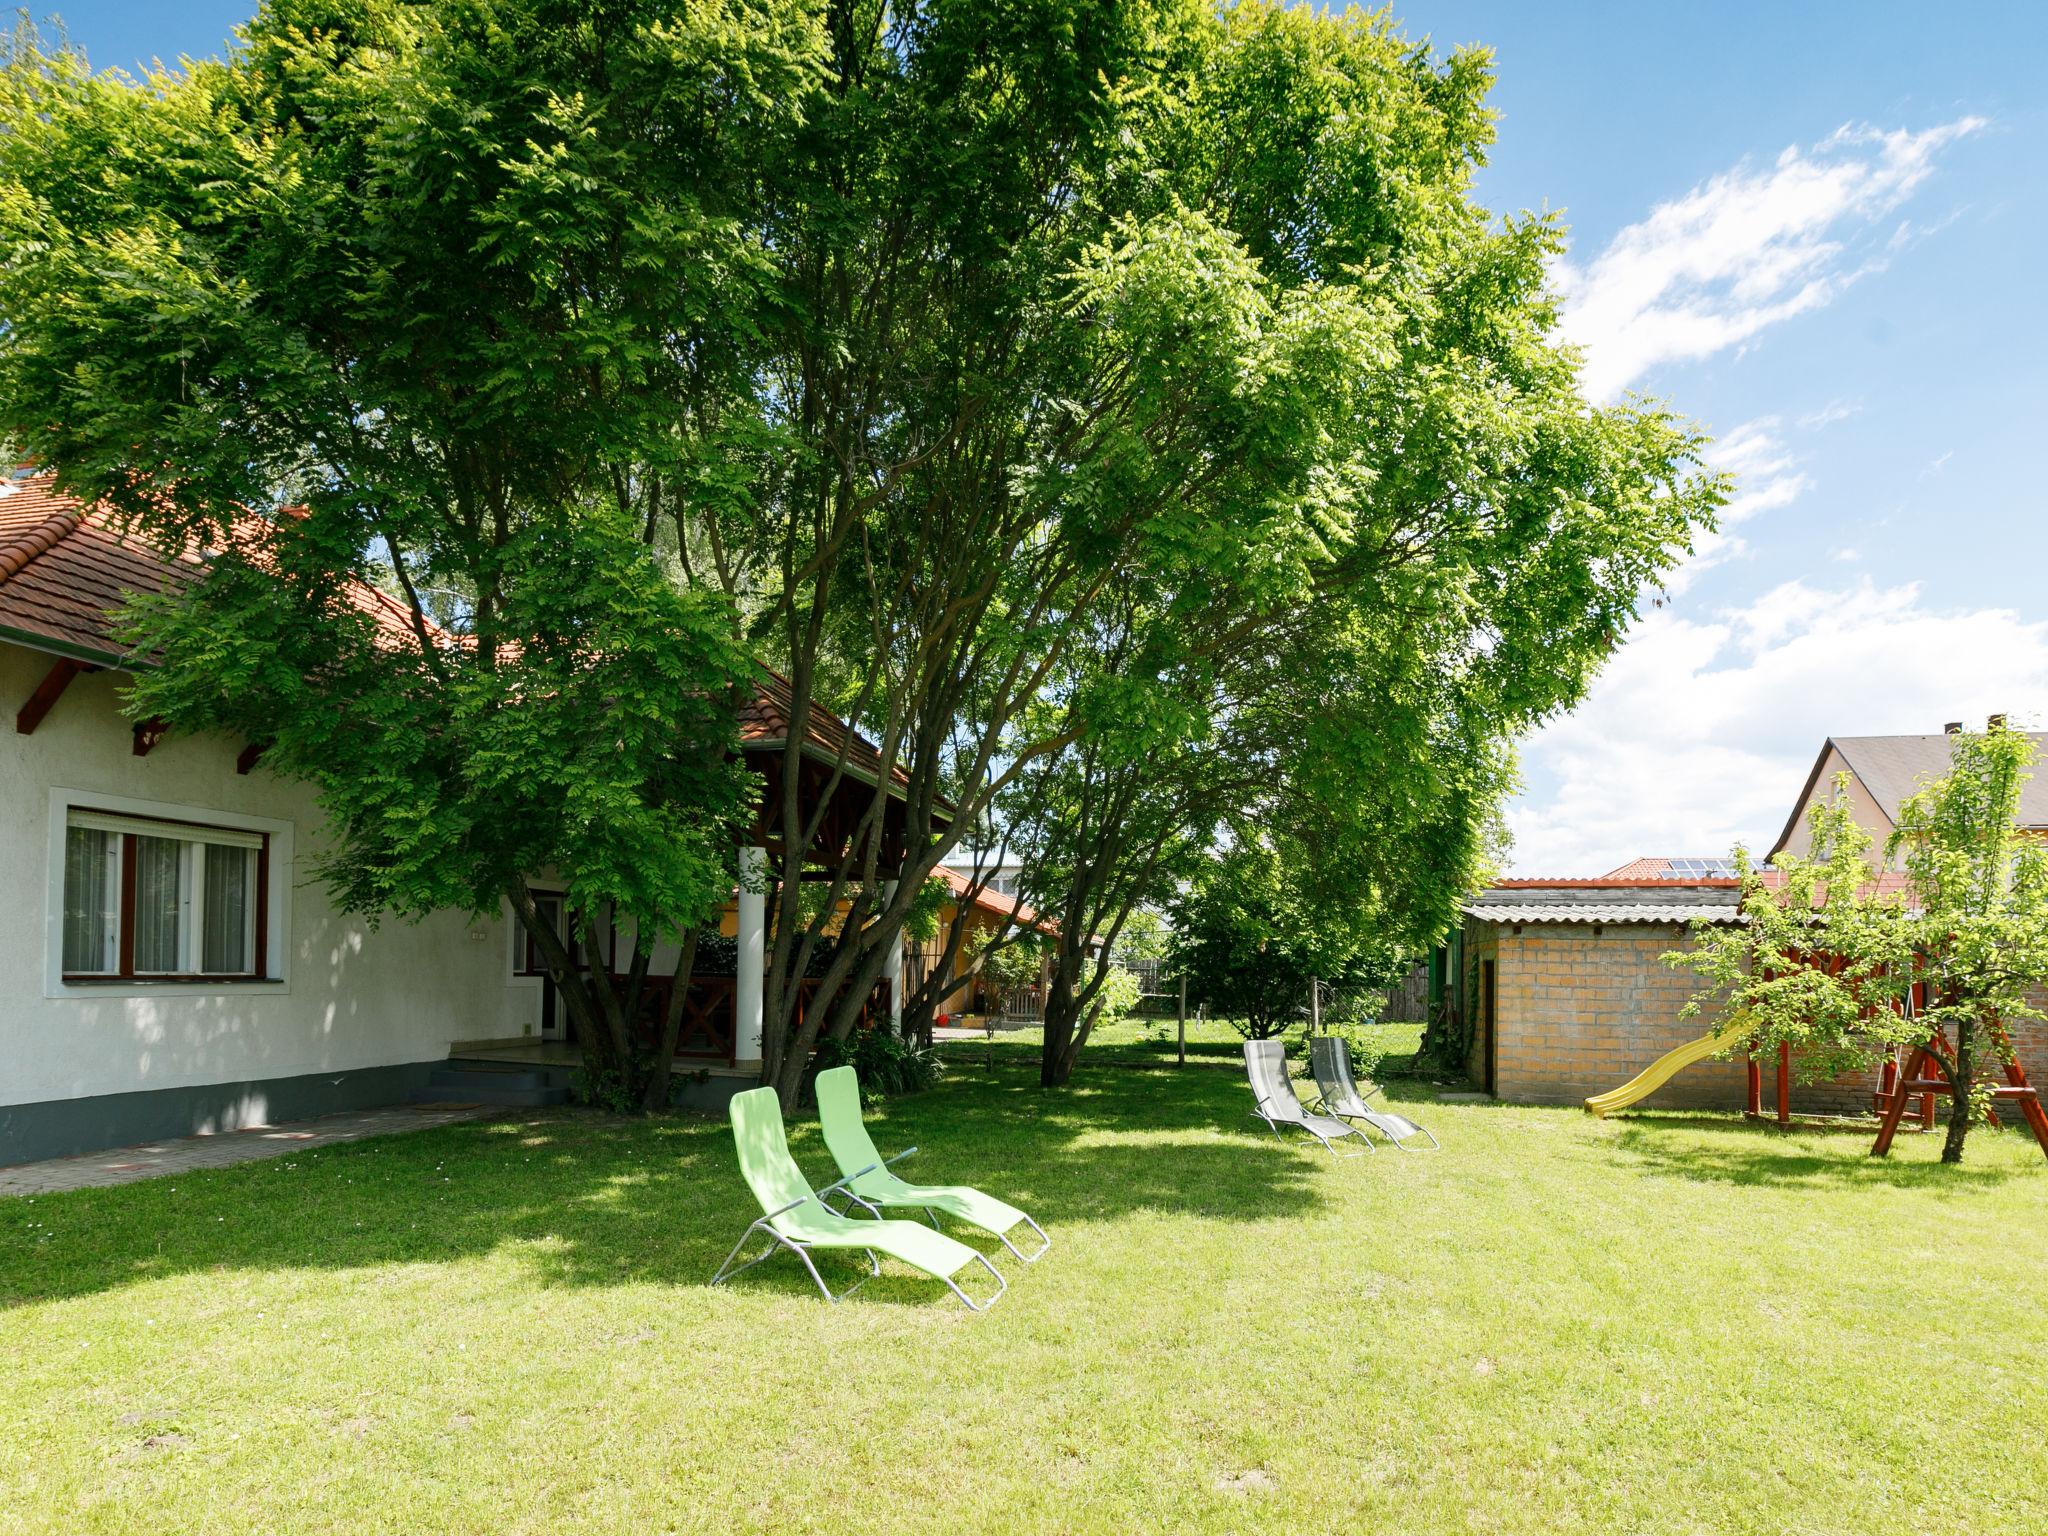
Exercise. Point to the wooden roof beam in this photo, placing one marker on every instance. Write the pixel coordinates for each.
(47, 693)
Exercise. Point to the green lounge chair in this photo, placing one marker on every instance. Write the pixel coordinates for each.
(799, 1220)
(867, 1180)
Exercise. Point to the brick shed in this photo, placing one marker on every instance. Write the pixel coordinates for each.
(1568, 994)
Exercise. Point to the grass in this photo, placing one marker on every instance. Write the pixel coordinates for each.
(1667, 1323)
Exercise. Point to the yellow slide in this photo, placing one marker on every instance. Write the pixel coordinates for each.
(1666, 1067)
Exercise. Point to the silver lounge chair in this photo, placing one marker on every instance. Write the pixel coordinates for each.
(1329, 1062)
(1265, 1063)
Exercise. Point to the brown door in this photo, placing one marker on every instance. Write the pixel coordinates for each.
(1486, 1018)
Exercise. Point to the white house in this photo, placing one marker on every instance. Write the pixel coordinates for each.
(169, 965)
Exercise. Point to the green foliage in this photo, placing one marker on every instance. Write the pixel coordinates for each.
(1818, 952)
(921, 922)
(1018, 963)
(440, 276)
(1117, 996)
(1144, 937)
(1826, 957)
(1255, 929)
(1137, 360)
(887, 1064)
(1129, 406)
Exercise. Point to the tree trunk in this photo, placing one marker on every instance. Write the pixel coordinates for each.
(571, 985)
(661, 1071)
(1056, 1055)
(1066, 1003)
(1960, 1080)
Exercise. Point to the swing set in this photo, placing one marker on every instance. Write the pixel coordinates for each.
(1919, 1078)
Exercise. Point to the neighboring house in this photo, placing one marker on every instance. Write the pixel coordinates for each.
(984, 915)
(1884, 772)
(174, 966)
(1563, 984)
(1003, 879)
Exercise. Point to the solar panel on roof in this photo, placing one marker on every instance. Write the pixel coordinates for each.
(1699, 869)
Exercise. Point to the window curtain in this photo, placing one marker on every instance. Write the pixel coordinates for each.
(159, 905)
(89, 889)
(226, 944)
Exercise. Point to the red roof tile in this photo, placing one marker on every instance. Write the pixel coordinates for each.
(764, 723)
(65, 570)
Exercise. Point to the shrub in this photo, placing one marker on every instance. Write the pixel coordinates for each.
(1119, 995)
(887, 1064)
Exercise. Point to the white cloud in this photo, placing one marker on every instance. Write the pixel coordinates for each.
(1701, 733)
(1828, 415)
(1767, 479)
(1743, 251)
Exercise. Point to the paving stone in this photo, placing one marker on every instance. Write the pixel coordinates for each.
(153, 1160)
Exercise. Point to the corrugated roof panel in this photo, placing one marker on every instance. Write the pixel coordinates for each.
(1602, 912)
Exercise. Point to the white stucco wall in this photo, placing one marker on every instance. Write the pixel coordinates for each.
(349, 997)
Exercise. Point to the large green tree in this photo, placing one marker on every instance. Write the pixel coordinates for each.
(947, 347)
(1160, 303)
(448, 279)
(1263, 920)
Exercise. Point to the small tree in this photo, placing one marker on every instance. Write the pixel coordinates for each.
(1017, 963)
(1250, 937)
(1980, 926)
(1825, 958)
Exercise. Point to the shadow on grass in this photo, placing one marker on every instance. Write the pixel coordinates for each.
(1744, 1152)
(589, 1200)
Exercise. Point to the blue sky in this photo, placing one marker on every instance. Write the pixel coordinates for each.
(1818, 228)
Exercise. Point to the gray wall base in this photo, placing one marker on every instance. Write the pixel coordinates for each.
(712, 1095)
(65, 1127)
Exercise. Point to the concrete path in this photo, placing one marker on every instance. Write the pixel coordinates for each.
(124, 1165)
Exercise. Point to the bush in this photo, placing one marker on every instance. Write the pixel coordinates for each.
(1119, 995)
(886, 1064)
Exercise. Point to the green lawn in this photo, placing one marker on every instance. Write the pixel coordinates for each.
(1663, 1324)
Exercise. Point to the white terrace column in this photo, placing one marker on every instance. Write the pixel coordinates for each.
(750, 980)
(892, 968)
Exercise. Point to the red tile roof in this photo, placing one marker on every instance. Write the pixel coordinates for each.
(994, 902)
(764, 723)
(1662, 867)
(65, 569)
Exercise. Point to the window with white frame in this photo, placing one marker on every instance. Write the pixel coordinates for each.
(159, 899)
